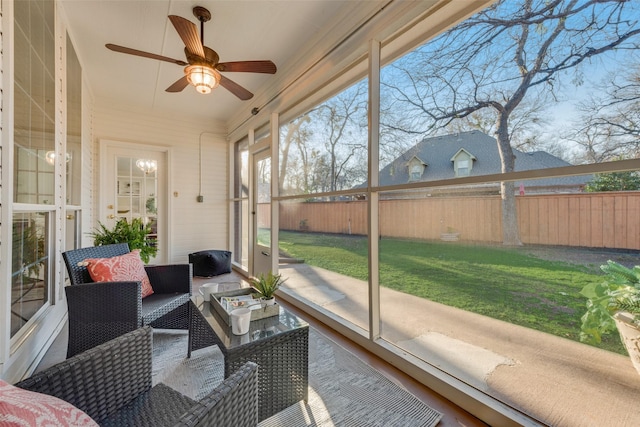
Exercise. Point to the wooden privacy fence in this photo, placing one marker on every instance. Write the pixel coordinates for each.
(597, 220)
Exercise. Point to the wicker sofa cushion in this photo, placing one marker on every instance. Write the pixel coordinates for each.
(123, 268)
(159, 406)
(19, 407)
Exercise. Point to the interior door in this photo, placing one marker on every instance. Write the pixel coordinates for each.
(262, 212)
(133, 185)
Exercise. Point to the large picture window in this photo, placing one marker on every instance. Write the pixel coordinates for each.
(509, 172)
(323, 221)
(34, 158)
(488, 266)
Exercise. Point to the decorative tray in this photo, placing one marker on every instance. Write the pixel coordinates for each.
(224, 302)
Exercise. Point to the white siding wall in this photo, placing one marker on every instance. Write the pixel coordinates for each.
(5, 293)
(192, 226)
(88, 159)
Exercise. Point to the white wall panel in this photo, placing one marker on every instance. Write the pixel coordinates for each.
(88, 178)
(192, 225)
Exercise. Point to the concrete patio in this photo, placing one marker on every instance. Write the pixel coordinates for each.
(555, 380)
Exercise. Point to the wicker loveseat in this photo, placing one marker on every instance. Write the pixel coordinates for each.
(101, 311)
(112, 384)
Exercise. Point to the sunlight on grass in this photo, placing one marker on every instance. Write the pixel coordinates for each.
(493, 281)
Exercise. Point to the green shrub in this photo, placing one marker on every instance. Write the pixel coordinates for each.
(620, 291)
(134, 233)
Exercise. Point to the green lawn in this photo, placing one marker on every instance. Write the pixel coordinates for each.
(492, 281)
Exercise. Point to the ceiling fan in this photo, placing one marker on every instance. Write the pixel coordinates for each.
(202, 68)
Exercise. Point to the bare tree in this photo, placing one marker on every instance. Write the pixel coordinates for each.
(610, 124)
(292, 133)
(595, 147)
(507, 53)
(343, 119)
(325, 149)
(524, 124)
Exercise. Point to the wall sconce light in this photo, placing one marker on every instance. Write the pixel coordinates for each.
(147, 166)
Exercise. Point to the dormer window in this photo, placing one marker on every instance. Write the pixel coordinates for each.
(416, 172)
(462, 163)
(416, 169)
(462, 168)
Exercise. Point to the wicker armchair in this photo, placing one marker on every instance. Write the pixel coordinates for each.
(99, 312)
(112, 384)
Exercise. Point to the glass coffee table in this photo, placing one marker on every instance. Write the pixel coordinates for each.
(278, 344)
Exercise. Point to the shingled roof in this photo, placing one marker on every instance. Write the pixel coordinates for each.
(437, 153)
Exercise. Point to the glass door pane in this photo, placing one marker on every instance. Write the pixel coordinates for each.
(262, 209)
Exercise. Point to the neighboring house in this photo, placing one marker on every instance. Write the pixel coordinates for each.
(473, 153)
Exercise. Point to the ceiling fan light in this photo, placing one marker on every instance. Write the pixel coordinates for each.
(203, 78)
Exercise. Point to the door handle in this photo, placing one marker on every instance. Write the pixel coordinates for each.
(112, 216)
(265, 253)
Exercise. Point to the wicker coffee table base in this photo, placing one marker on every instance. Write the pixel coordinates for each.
(282, 359)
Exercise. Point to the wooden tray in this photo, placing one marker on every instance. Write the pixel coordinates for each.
(260, 313)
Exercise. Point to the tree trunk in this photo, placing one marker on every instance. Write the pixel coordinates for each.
(510, 229)
(292, 133)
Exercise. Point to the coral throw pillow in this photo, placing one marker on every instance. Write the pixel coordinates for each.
(19, 407)
(123, 268)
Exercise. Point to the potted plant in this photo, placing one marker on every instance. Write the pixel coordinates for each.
(134, 233)
(614, 304)
(266, 285)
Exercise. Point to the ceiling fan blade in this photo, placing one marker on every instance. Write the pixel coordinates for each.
(136, 52)
(188, 32)
(266, 67)
(235, 88)
(179, 85)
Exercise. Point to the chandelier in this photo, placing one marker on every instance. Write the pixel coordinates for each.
(147, 166)
(50, 157)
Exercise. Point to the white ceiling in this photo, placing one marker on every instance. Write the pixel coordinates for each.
(239, 30)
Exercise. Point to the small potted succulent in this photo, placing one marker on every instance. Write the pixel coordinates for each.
(614, 304)
(266, 285)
